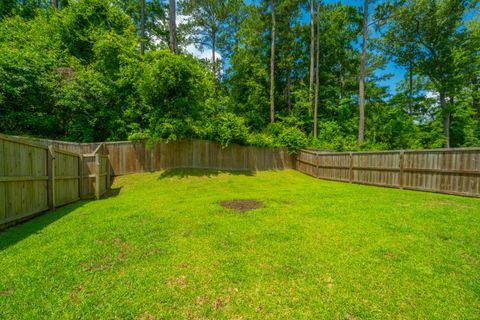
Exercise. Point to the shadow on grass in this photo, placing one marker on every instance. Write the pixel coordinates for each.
(111, 193)
(185, 173)
(34, 225)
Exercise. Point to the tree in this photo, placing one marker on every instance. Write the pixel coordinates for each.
(206, 19)
(247, 77)
(151, 22)
(172, 26)
(436, 45)
(361, 78)
(312, 56)
(272, 63)
(142, 26)
(317, 75)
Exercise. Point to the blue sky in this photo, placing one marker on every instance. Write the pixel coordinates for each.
(397, 73)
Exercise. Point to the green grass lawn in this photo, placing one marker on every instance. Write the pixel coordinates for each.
(160, 247)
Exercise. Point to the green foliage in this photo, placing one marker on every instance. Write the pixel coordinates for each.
(262, 140)
(171, 97)
(229, 128)
(84, 23)
(75, 73)
(27, 76)
(173, 85)
(293, 138)
(331, 136)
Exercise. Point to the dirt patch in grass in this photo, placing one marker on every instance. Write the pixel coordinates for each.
(6, 293)
(75, 293)
(241, 205)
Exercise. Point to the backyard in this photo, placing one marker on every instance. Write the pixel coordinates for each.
(160, 246)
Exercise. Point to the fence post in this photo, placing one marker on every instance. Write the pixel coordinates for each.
(350, 171)
(97, 176)
(108, 173)
(400, 177)
(51, 178)
(80, 176)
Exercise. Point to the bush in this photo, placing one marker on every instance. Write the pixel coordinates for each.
(174, 86)
(261, 140)
(293, 138)
(229, 128)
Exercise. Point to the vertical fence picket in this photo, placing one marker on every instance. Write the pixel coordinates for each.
(97, 176)
(51, 178)
(401, 166)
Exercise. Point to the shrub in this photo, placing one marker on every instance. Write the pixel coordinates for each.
(261, 140)
(293, 138)
(229, 128)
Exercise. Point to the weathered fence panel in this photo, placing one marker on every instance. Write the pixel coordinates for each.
(35, 178)
(133, 157)
(66, 177)
(23, 179)
(452, 171)
(376, 168)
(101, 174)
(88, 176)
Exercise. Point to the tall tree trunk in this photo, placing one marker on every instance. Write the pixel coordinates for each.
(317, 76)
(237, 28)
(476, 99)
(361, 93)
(446, 118)
(214, 43)
(142, 26)
(342, 82)
(288, 69)
(410, 85)
(54, 4)
(287, 90)
(312, 57)
(172, 26)
(272, 65)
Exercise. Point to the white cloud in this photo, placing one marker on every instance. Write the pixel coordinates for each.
(182, 19)
(206, 53)
(432, 95)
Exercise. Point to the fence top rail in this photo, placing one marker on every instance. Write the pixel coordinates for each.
(22, 141)
(107, 143)
(43, 141)
(443, 150)
(313, 151)
(70, 153)
(377, 152)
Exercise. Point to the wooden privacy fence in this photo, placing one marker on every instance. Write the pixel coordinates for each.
(452, 171)
(132, 157)
(35, 178)
(39, 174)
(136, 156)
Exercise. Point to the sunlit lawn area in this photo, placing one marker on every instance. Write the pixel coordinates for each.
(161, 247)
